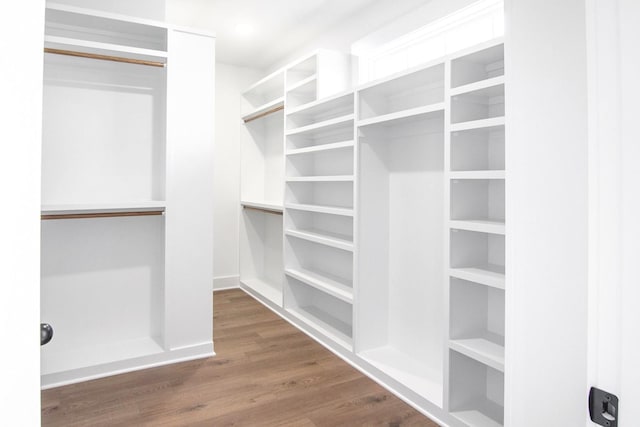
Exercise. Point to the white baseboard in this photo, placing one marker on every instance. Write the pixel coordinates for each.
(226, 282)
(182, 354)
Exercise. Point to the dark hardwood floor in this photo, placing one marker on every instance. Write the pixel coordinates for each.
(266, 373)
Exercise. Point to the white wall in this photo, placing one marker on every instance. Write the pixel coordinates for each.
(546, 106)
(149, 9)
(21, 32)
(230, 81)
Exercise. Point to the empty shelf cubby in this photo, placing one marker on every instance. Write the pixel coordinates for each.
(476, 392)
(67, 25)
(480, 200)
(320, 311)
(332, 230)
(476, 325)
(482, 65)
(267, 91)
(332, 131)
(478, 149)
(333, 263)
(302, 71)
(336, 162)
(478, 254)
(319, 111)
(329, 194)
(417, 89)
(479, 104)
(305, 93)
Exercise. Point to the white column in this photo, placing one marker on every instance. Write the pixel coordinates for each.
(547, 211)
(189, 213)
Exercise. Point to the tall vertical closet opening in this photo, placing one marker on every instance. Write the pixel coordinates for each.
(103, 153)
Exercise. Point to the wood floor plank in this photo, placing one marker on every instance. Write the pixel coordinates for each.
(265, 373)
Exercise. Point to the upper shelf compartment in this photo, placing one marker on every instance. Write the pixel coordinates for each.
(263, 97)
(86, 31)
(301, 72)
(317, 76)
(318, 111)
(411, 91)
(478, 105)
(478, 66)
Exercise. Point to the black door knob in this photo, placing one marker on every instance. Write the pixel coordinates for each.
(46, 333)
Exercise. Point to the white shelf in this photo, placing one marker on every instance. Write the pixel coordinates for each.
(320, 209)
(302, 82)
(483, 84)
(321, 148)
(334, 178)
(323, 237)
(482, 226)
(66, 359)
(325, 324)
(276, 103)
(87, 46)
(324, 125)
(483, 349)
(404, 115)
(407, 370)
(478, 124)
(115, 18)
(489, 275)
(267, 206)
(264, 287)
(327, 283)
(478, 63)
(91, 208)
(481, 174)
(475, 418)
(415, 76)
(325, 105)
(271, 83)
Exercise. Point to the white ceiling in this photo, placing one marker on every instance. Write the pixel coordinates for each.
(280, 26)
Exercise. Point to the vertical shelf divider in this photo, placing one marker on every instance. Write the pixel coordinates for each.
(475, 234)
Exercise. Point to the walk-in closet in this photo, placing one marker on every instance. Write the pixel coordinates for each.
(320, 213)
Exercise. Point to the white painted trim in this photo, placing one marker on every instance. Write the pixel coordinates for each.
(613, 88)
(226, 282)
(22, 33)
(183, 354)
(604, 185)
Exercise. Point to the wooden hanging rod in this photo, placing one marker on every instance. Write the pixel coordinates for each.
(262, 210)
(104, 57)
(266, 113)
(99, 215)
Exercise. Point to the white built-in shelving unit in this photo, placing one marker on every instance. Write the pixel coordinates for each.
(319, 206)
(119, 148)
(316, 77)
(477, 235)
(265, 154)
(393, 228)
